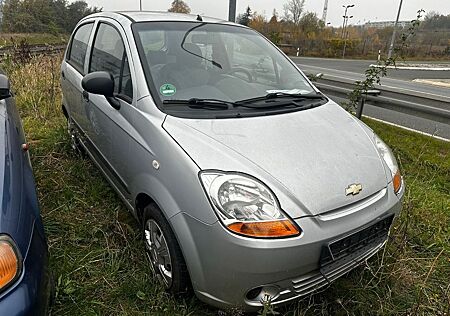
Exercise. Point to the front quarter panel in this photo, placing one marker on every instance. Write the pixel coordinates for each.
(161, 169)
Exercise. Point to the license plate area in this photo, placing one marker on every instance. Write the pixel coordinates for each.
(372, 235)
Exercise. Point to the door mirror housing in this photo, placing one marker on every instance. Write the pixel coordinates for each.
(99, 82)
(102, 83)
(5, 89)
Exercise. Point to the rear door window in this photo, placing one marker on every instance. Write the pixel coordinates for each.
(78, 47)
(109, 55)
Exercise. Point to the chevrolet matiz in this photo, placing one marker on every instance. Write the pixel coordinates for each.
(249, 183)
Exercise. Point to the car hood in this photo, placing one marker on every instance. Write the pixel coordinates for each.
(309, 157)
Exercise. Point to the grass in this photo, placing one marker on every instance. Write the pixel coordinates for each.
(8, 39)
(97, 255)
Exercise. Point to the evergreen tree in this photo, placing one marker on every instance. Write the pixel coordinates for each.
(246, 17)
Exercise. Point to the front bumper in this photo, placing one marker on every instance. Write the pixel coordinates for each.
(225, 267)
(31, 292)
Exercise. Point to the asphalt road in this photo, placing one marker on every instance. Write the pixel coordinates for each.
(359, 66)
(352, 70)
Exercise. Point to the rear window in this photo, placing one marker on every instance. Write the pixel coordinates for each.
(78, 47)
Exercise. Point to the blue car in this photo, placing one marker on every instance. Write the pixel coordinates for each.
(25, 280)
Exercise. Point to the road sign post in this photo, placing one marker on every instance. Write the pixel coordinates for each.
(362, 101)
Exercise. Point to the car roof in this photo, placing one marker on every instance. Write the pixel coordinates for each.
(150, 16)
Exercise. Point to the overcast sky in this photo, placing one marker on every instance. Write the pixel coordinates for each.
(364, 10)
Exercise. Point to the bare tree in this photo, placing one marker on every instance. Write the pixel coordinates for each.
(293, 10)
(179, 6)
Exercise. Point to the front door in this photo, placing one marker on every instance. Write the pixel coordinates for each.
(109, 128)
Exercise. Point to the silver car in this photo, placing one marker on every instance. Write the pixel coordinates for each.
(249, 183)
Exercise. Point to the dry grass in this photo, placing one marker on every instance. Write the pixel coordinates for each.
(97, 255)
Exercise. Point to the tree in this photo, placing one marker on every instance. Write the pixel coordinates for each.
(246, 17)
(293, 10)
(310, 23)
(434, 20)
(179, 6)
(258, 23)
(274, 18)
(274, 29)
(76, 11)
(43, 16)
(10, 9)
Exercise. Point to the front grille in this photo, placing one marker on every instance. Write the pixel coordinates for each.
(346, 246)
(341, 256)
(319, 279)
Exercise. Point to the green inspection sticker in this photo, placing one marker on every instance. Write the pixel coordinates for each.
(168, 90)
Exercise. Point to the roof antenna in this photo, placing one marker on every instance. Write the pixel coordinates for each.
(199, 18)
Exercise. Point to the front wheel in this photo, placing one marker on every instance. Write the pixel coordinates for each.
(162, 249)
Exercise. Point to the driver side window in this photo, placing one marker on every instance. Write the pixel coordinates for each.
(109, 55)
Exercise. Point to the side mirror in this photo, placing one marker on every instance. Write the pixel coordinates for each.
(99, 82)
(5, 90)
(102, 83)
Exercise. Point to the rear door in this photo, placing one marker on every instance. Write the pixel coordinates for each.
(73, 70)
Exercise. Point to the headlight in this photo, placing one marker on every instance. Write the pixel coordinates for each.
(246, 206)
(391, 162)
(10, 261)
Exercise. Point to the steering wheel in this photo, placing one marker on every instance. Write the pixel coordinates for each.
(241, 70)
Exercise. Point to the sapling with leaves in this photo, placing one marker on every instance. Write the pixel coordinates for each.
(374, 74)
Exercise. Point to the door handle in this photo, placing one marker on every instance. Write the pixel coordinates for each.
(86, 96)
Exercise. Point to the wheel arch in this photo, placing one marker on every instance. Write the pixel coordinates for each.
(141, 202)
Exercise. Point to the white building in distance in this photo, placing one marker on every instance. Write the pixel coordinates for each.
(383, 24)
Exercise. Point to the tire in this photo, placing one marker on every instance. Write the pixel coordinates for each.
(75, 142)
(169, 268)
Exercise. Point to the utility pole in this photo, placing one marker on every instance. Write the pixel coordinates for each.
(346, 35)
(325, 11)
(1, 11)
(140, 5)
(394, 34)
(232, 11)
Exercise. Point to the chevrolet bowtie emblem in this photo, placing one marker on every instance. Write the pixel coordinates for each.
(353, 189)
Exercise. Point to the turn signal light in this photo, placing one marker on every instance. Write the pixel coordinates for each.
(397, 181)
(271, 229)
(9, 262)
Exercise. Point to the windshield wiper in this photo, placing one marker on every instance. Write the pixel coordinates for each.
(196, 103)
(281, 95)
(216, 104)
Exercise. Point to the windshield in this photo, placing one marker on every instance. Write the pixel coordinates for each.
(185, 60)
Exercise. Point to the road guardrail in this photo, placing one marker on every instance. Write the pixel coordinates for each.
(434, 108)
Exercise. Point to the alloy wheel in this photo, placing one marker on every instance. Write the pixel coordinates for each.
(158, 252)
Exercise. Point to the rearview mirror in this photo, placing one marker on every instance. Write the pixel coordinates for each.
(5, 90)
(99, 82)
